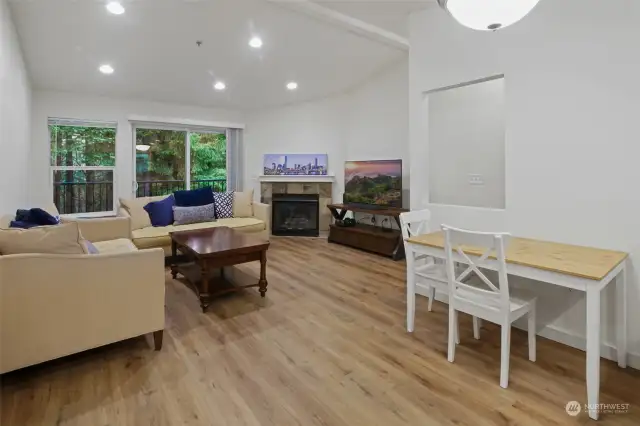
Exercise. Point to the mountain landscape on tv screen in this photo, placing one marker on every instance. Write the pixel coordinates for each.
(373, 183)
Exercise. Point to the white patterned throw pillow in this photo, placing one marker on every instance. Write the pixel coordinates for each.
(224, 204)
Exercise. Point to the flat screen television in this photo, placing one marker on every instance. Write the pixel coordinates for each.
(373, 183)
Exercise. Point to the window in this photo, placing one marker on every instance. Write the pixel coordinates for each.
(173, 159)
(83, 159)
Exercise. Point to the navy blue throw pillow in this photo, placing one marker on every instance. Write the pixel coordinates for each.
(161, 212)
(22, 224)
(194, 197)
(34, 217)
(42, 218)
(22, 215)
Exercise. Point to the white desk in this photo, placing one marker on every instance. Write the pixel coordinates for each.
(579, 268)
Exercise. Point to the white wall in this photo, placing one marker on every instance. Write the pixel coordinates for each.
(310, 127)
(377, 125)
(466, 137)
(15, 116)
(572, 93)
(66, 105)
(368, 122)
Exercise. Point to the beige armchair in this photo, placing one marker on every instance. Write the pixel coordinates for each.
(56, 305)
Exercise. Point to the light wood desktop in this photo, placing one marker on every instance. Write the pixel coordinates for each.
(580, 268)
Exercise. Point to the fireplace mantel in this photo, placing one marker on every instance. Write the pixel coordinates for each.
(297, 178)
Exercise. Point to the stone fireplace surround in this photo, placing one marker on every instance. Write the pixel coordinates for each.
(323, 189)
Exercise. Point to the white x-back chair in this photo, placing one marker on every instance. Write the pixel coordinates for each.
(482, 298)
(423, 271)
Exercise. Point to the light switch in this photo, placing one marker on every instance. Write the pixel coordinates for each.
(476, 180)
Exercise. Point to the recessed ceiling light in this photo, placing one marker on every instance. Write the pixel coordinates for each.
(219, 85)
(292, 85)
(255, 42)
(106, 69)
(115, 7)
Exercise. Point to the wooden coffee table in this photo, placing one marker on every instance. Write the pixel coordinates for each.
(209, 251)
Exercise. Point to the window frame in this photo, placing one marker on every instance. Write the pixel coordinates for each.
(53, 169)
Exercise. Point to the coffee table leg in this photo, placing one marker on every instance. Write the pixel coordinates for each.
(263, 273)
(174, 272)
(205, 297)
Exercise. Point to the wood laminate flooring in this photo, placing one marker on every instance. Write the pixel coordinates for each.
(327, 346)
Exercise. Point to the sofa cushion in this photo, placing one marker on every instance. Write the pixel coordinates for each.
(243, 224)
(224, 204)
(122, 245)
(194, 197)
(135, 208)
(195, 214)
(151, 237)
(60, 239)
(161, 212)
(242, 204)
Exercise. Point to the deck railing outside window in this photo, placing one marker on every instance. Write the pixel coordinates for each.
(82, 197)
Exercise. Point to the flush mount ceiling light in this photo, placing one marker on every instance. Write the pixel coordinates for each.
(255, 42)
(292, 85)
(106, 69)
(219, 85)
(115, 7)
(488, 15)
(143, 147)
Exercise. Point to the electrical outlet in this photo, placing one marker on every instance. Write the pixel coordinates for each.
(476, 180)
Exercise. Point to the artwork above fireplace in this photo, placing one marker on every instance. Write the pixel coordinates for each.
(295, 164)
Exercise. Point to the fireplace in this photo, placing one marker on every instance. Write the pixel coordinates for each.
(295, 214)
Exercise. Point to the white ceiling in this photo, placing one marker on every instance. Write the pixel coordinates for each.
(153, 50)
(391, 15)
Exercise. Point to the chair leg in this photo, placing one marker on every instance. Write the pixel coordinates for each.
(532, 333)
(157, 339)
(452, 334)
(432, 295)
(505, 347)
(411, 301)
(457, 329)
(476, 328)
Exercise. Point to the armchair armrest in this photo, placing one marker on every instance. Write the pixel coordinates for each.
(263, 212)
(5, 221)
(103, 229)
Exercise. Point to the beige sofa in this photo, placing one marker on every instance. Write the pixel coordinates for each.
(56, 305)
(249, 217)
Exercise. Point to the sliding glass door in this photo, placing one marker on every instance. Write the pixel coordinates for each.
(208, 160)
(172, 159)
(160, 161)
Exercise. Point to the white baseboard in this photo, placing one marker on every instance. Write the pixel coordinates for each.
(551, 332)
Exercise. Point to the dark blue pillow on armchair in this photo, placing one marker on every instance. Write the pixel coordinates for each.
(42, 217)
(161, 212)
(194, 197)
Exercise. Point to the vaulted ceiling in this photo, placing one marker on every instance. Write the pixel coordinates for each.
(152, 47)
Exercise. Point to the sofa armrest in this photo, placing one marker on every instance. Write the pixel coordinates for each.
(55, 305)
(262, 211)
(122, 212)
(103, 229)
